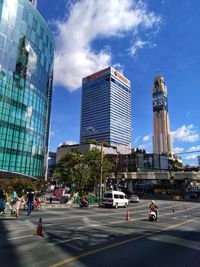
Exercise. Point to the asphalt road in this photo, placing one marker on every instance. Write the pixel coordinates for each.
(95, 237)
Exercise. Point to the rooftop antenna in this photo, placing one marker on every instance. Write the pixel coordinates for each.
(159, 72)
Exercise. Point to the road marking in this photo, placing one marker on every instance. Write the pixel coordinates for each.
(91, 252)
(19, 237)
(65, 241)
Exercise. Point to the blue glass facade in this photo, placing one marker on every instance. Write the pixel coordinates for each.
(106, 108)
(26, 73)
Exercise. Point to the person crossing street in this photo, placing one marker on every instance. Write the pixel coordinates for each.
(30, 198)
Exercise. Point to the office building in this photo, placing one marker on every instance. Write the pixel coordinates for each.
(26, 58)
(106, 109)
(34, 2)
(162, 142)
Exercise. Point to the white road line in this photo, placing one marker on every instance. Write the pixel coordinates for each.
(19, 237)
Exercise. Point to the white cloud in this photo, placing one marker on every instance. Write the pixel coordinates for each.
(137, 139)
(178, 149)
(145, 146)
(191, 157)
(89, 20)
(146, 138)
(137, 45)
(52, 133)
(68, 142)
(186, 133)
(194, 148)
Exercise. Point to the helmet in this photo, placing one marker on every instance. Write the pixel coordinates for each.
(152, 201)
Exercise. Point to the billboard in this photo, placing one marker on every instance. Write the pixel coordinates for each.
(160, 101)
(148, 161)
(156, 163)
(164, 163)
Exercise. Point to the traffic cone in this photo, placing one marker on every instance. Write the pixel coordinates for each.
(173, 210)
(128, 217)
(39, 228)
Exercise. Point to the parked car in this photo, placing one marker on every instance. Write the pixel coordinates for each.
(134, 199)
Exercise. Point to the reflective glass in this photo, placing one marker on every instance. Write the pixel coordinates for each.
(26, 55)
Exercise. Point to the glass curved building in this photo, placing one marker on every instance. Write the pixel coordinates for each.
(26, 74)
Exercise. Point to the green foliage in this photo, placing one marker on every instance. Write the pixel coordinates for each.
(21, 185)
(82, 169)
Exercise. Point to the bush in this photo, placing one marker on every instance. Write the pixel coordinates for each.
(22, 185)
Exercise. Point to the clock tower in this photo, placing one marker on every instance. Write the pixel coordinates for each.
(162, 142)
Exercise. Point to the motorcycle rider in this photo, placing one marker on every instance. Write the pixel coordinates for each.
(84, 202)
(153, 207)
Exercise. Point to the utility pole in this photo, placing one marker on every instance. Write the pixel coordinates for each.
(101, 174)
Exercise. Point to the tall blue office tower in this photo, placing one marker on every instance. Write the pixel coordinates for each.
(106, 109)
(26, 62)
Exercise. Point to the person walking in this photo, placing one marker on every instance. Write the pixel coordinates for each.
(30, 198)
(19, 201)
(3, 199)
(13, 202)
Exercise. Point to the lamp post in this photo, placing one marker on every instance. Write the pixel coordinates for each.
(101, 174)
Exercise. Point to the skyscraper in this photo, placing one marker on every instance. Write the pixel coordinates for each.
(106, 108)
(26, 58)
(162, 142)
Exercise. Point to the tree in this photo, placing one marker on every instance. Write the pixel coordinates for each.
(66, 168)
(83, 170)
(93, 159)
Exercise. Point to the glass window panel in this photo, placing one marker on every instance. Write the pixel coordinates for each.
(2, 41)
(41, 32)
(5, 14)
(25, 15)
(34, 24)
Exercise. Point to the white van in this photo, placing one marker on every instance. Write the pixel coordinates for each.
(115, 199)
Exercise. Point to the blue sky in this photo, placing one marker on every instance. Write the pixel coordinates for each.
(137, 38)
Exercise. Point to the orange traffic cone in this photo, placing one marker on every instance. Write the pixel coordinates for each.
(173, 210)
(39, 228)
(128, 216)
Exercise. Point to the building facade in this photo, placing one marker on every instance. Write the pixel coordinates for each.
(34, 2)
(162, 142)
(26, 73)
(106, 109)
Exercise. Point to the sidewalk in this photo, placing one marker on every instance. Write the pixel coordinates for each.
(57, 204)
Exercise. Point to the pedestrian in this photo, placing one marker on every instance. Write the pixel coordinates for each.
(30, 198)
(3, 200)
(19, 201)
(37, 203)
(14, 194)
(14, 197)
(50, 199)
(13, 202)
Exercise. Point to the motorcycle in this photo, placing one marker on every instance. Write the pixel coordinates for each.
(84, 204)
(152, 215)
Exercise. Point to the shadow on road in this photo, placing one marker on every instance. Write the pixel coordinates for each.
(8, 255)
(172, 248)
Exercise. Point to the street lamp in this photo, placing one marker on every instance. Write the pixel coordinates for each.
(101, 174)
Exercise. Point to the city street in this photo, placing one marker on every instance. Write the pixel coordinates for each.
(98, 236)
